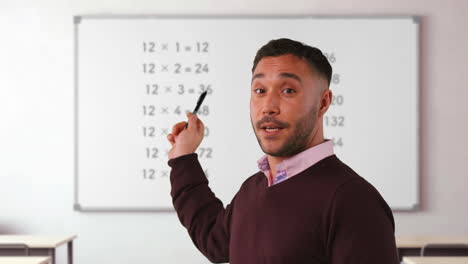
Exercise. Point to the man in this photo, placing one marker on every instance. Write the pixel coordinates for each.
(304, 205)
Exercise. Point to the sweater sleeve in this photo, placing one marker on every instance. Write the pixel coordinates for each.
(198, 209)
(361, 226)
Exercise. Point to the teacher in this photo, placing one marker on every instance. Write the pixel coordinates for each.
(304, 205)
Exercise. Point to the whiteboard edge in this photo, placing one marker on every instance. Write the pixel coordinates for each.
(417, 205)
(97, 209)
(76, 21)
(412, 208)
(415, 18)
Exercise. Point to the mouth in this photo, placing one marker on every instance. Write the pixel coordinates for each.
(271, 128)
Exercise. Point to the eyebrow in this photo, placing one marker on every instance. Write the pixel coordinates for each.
(281, 75)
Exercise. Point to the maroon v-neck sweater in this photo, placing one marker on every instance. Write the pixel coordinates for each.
(325, 214)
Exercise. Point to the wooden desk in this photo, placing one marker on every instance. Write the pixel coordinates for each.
(37, 245)
(435, 260)
(411, 245)
(25, 260)
(421, 241)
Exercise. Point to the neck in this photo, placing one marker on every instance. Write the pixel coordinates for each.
(273, 161)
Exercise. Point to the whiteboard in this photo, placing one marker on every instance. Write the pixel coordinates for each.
(136, 76)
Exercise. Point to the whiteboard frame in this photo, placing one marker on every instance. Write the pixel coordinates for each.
(78, 18)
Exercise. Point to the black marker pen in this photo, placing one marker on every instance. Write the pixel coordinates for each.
(199, 102)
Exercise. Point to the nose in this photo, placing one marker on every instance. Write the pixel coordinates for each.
(271, 104)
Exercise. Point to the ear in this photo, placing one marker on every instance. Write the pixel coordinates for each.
(325, 101)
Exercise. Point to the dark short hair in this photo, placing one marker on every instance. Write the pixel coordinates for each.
(314, 57)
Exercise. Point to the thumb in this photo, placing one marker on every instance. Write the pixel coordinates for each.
(192, 122)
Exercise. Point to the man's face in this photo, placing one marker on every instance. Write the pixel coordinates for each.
(284, 100)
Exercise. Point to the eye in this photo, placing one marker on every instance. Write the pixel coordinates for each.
(259, 91)
(288, 91)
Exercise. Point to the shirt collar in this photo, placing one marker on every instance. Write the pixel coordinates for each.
(297, 163)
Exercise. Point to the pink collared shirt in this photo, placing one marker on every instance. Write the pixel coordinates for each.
(297, 163)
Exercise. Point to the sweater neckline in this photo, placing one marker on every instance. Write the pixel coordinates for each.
(297, 177)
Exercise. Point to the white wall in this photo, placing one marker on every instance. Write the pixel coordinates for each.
(36, 129)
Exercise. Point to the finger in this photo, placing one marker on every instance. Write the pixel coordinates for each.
(192, 122)
(197, 125)
(171, 138)
(177, 128)
(188, 115)
(174, 128)
(200, 126)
